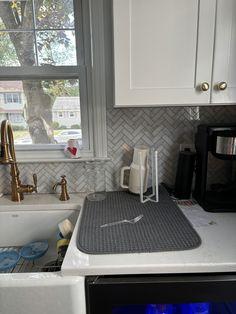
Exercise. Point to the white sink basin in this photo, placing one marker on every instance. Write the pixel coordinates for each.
(37, 218)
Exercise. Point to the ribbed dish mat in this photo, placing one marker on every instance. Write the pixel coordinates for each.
(162, 228)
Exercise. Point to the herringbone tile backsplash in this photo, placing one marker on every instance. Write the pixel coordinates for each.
(161, 128)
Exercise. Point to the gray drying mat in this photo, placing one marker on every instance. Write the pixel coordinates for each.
(162, 228)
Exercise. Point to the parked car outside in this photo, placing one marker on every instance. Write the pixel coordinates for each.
(65, 135)
(23, 141)
(61, 138)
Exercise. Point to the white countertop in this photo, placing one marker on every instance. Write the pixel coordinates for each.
(217, 252)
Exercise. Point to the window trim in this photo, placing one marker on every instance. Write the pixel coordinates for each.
(92, 85)
(98, 76)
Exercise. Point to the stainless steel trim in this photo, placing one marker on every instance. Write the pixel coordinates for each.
(226, 145)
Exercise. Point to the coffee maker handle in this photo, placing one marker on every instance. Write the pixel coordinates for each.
(122, 177)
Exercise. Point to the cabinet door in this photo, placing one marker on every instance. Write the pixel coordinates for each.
(162, 51)
(224, 69)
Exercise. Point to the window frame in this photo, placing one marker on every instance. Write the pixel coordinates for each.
(91, 74)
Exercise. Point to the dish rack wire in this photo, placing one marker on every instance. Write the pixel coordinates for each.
(27, 266)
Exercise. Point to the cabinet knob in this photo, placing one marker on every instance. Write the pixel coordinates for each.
(222, 86)
(204, 86)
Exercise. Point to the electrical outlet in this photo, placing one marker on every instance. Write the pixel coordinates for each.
(185, 146)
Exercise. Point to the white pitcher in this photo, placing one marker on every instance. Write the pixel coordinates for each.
(139, 164)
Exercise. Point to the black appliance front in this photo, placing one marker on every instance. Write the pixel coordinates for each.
(176, 294)
(215, 177)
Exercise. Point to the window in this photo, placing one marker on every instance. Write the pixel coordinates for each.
(16, 119)
(60, 114)
(45, 55)
(12, 98)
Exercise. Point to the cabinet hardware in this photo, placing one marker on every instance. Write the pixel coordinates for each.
(222, 86)
(204, 86)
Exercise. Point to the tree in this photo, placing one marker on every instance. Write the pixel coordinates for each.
(48, 14)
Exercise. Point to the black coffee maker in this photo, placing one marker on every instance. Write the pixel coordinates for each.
(215, 179)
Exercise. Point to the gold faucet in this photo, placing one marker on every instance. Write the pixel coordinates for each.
(8, 157)
(64, 194)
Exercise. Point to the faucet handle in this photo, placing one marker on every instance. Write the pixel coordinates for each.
(63, 183)
(35, 179)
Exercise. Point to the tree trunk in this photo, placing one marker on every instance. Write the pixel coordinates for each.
(39, 113)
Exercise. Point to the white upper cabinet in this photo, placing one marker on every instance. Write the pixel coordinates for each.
(163, 52)
(224, 70)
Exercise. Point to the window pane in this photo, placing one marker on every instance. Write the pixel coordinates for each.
(56, 48)
(54, 14)
(16, 98)
(42, 114)
(8, 56)
(16, 15)
(22, 42)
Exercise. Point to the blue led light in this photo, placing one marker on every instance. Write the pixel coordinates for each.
(181, 308)
(159, 309)
(195, 308)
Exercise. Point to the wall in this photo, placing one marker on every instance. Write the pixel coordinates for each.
(162, 128)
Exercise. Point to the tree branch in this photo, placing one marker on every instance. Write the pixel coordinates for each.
(17, 18)
(23, 3)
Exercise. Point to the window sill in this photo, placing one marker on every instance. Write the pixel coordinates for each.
(52, 156)
(66, 160)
